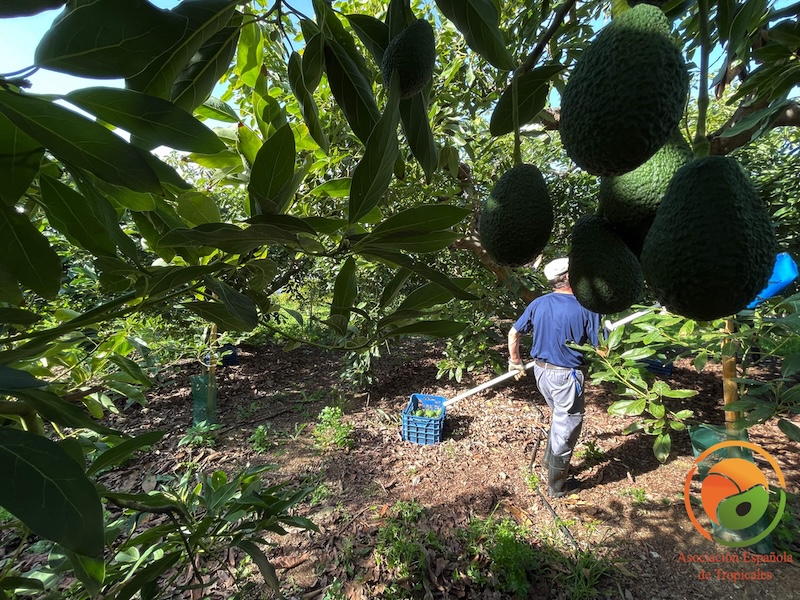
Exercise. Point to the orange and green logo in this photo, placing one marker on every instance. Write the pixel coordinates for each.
(735, 494)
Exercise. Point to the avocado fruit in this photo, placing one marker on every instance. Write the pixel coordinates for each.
(630, 201)
(412, 53)
(604, 274)
(711, 247)
(516, 220)
(626, 94)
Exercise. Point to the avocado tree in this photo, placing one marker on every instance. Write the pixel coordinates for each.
(294, 150)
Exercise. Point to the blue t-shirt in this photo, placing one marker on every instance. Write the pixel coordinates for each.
(557, 318)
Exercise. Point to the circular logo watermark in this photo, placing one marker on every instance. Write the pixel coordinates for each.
(735, 494)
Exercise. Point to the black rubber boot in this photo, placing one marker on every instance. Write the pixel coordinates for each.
(557, 473)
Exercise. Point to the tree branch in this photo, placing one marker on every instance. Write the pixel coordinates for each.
(789, 117)
(534, 56)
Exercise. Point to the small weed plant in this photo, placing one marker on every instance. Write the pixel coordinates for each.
(331, 431)
(263, 439)
(202, 435)
(590, 452)
(399, 546)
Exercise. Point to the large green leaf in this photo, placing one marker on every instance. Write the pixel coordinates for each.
(238, 304)
(308, 106)
(398, 16)
(228, 237)
(117, 454)
(345, 293)
(661, 446)
(148, 574)
(432, 328)
(91, 572)
(195, 83)
(19, 161)
(373, 33)
(478, 21)
(271, 177)
(333, 188)
(165, 279)
(53, 408)
(15, 379)
(790, 429)
(250, 51)
(393, 288)
(73, 214)
(351, 89)
(205, 18)
(627, 408)
(16, 316)
(50, 492)
(108, 39)
(532, 90)
(262, 562)
(24, 8)
(414, 115)
(431, 294)
(313, 62)
(80, 141)
(419, 220)
(418, 243)
(398, 259)
(197, 208)
(27, 254)
(155, 121)
(214, 108)
(373, 174)
(332, 29)
(219, 313)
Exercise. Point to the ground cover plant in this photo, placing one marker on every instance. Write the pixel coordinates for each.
(303, 175)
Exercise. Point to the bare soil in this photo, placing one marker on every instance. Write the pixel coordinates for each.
(630, 508)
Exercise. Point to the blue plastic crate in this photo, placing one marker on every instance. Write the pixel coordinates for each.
(657, 367)
(423, 430)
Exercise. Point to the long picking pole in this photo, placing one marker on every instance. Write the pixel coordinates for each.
(486, 385)
(730, 391)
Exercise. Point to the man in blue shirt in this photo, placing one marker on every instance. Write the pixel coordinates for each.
(555, 319)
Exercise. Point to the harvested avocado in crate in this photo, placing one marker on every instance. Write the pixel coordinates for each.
(423, 419)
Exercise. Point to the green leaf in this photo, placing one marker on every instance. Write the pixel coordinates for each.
(681, 415)
(24, 8)
(76, 216)
(661, 447)
(247, 143)
(635, 354)
(313, 64)
(91, 572)
(217, 110)
(351, 90)
(116, 455)
(417, 128)
(345, 293)
(17, 316)
(439, 329)
(266, 568)
(107, 39)
(204, 18)
(51, 494)
(700, 361)
(670, 393)
(21, 583)
(155, 121)
(228, 237)
(195, 83)
(238, 304)
(271, 177)
(790, 365)
(148, 574)
(633, 428)
(197, 208)
(397, 259)
(418, 243)
(791, 430)
(533, 88)
(19, 161)
(287, 222)
(393, 288)
(218, 313)
(615, 337)
(373, 34)
(373, 174)
(431, 294)
(27, 254)
(656, 409)
(333, 188)
(627, 408)
(80, 141)
(53, 408)
(398, 16)
(420, 220)
(250, 52)
(308, 107)
(478, 21)
(15, 379)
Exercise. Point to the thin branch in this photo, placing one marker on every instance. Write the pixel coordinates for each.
(701, 143)
(558, 19)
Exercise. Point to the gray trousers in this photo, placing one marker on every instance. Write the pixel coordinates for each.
(563, 391)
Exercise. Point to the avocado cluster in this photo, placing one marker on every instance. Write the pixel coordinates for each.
(711, 247)
(604, 274)
(412, 53)
(516, 220)
(630, 201)
(626, 94)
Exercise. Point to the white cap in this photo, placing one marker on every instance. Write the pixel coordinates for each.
(556, 267)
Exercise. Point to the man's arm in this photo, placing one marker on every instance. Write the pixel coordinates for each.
(514, 361)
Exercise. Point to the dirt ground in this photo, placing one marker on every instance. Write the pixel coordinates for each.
(630, 509)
